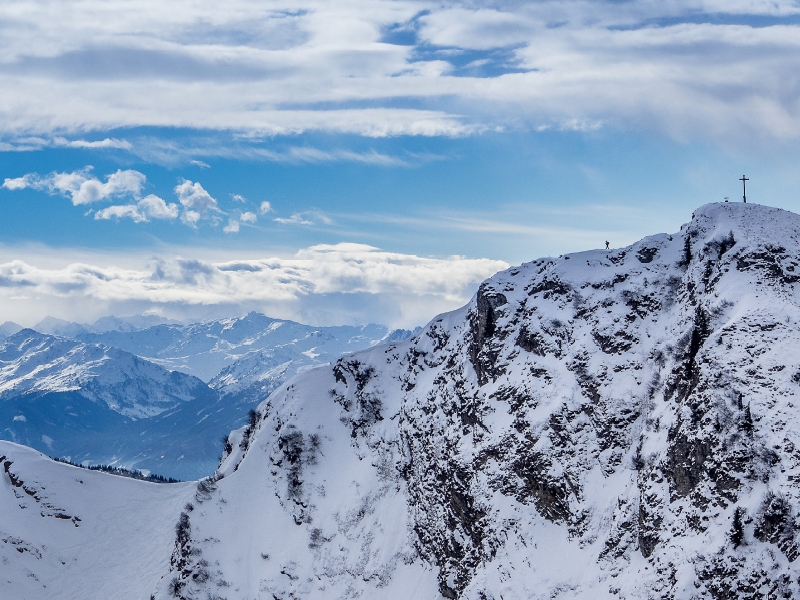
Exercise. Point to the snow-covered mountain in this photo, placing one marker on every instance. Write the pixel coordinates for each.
(205, 349)
(36, 364)
(603, 425)
(60, 327)
(70, 329)
(8, 328)
(93, 403)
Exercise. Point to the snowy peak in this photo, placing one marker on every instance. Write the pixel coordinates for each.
(60, 327)
(131, 323)
(601, 425)
(9, 328)
(36, 363)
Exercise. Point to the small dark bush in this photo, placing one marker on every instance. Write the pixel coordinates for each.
(175, 587)
(737, 528)
(183, 530)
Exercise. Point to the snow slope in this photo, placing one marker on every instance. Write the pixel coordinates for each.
(603, 425)
(68, 533)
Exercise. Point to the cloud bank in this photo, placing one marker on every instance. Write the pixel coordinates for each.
(323, 284)
(691, 69)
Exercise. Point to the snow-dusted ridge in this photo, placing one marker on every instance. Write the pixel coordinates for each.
(69, 533)
(603, 425)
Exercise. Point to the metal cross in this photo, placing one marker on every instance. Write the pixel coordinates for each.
(744, 188)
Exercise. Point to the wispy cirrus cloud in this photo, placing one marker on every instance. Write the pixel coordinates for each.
(98, 144)
(696, 68)
(309, 217)
(250, 147)
(324, 283)
(27, 144)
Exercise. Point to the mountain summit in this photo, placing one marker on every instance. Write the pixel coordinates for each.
(604, 424)
(608, 424)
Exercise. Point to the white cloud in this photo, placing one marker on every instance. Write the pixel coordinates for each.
(194, 197)
(129, 211)
(106, 143)
(190, 217)
(234, 223)
(321, 284)
(262, 68)
(148, 207)
(238, 198)
(81, 186)
(264, 208)
(19, 183)
(295, 219)
(157, 208)
(198, 203)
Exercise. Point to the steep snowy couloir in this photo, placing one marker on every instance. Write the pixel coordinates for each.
(602, 425)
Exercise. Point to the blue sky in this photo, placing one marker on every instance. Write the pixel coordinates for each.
(412, 148)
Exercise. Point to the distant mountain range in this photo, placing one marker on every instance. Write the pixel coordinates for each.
(135, 396)
(204, 349)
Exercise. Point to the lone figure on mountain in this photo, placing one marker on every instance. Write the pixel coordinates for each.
(606, 244)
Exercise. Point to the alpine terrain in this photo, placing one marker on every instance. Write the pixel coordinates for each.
(75, 394)
(607, 424)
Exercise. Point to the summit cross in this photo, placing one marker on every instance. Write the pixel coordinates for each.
(744, 188)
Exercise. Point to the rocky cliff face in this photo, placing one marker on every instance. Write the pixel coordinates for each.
(606, 424)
